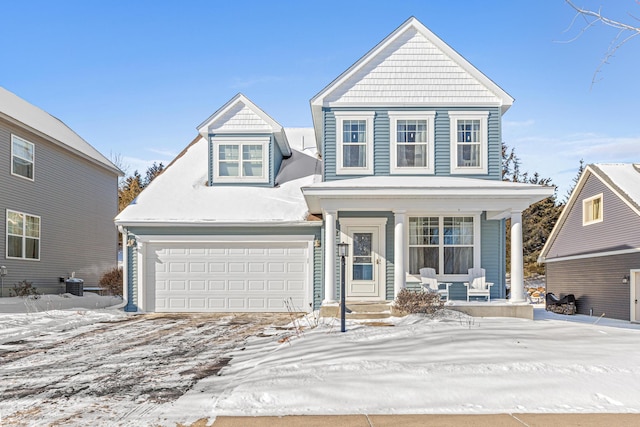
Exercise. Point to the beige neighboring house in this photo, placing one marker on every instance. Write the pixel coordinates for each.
(58, 198)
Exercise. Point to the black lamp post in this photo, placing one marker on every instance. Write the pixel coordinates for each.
(343, 252)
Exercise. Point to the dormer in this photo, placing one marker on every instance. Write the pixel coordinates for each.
(246, 146)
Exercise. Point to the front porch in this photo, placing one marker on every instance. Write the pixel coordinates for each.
(379, 310)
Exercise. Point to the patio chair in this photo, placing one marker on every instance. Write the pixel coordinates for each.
(477, 286)
(430, 283)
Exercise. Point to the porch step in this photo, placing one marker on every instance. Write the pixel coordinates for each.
(359, 310)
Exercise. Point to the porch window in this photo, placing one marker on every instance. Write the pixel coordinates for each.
(592, 210)
(443, 243)
(354, 150)
(23, 235)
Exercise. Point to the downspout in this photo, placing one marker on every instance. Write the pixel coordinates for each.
(125, 264)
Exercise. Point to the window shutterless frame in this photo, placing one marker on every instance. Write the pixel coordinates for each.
(412, 138)
(354, 142)
(22, 236)
(22, 158)
(592, 210)
(240, 159)
(469, 142)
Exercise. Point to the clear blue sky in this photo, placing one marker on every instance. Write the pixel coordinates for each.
(136, 77)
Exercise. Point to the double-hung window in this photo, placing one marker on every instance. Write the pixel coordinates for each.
(354, 150)
(592, 210)
(23, 235)
(469, 142)
(412, 142)
(22, 157)
(240, 160)
(447, 244)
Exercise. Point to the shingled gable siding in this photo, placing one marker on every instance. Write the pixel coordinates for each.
(596, 282)
(382, 141)
(76, 201)
(318, 291)
(274, 159)
(619, 229)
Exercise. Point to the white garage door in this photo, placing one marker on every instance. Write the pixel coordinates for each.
(243, 276)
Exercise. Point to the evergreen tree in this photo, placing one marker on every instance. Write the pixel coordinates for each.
(575, 181)
(134, 184)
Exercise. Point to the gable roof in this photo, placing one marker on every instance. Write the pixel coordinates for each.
(411, 66)
(18, 111)
(240, 115)
(623, 179)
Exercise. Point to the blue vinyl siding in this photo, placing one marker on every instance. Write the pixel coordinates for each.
(493, 254)
(442, 142)
(132, 280)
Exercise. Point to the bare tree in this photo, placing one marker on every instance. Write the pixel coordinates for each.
(625, 31)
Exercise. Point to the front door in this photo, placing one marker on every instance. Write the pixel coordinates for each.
(365, 266)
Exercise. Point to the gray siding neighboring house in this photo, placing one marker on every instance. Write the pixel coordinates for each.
(595, 258)
(73, 193)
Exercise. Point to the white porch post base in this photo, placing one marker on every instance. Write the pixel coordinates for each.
(329, 256)
(399, 276)
(517, 274)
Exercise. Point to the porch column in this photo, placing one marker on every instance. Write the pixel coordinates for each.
(517, 275)
(330, 256)
(399, 278)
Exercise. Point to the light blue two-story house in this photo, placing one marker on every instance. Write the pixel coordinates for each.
(403, 164)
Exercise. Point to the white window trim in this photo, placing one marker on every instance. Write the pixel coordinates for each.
(476, 242)
(240, 141)
(585, 202)
(429, 116)
(341, 116)
(483, 116)
(24, 246)
(33, 162)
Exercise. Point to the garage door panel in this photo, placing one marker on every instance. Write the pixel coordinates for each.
(237, 277)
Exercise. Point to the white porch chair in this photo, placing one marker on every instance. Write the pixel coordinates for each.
(477, 286)
(430, 283)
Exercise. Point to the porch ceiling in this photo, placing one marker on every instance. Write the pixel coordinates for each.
(430, 194)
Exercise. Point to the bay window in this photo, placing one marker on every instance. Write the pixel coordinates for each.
(444, 243)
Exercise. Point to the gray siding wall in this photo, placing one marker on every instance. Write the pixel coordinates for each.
(619, 230)
(274, 159)
(382, 142)
(318, 291)
(76, 201)
(596, 283)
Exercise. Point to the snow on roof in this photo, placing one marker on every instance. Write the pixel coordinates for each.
(180, 195)
(624, 176)
(16, 109)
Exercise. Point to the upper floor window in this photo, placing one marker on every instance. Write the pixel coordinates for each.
(412, 142)
(592, 210)
(240, 159)
(354, 150)
(469, 142)
(22, 157)
(23, 235)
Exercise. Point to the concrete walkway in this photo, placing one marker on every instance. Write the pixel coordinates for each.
(435, 420)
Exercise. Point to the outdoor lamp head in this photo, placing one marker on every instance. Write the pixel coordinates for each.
(3, 271)
(343, 249)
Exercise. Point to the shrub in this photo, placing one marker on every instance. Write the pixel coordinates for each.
(111, 282)
(409, 302)
(24, 289)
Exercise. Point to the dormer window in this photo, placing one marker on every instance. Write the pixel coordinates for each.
(412, 142)
(469, 142)
(239, 159)
(355, 142)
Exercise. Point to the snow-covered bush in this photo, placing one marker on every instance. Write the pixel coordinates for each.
(111, 282)
(25, 289)
(410, 302)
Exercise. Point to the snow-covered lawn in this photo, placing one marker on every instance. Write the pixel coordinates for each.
(452, 364)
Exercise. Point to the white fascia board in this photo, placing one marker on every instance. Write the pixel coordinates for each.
(153, 238)
(587, 256)
(162, 223)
